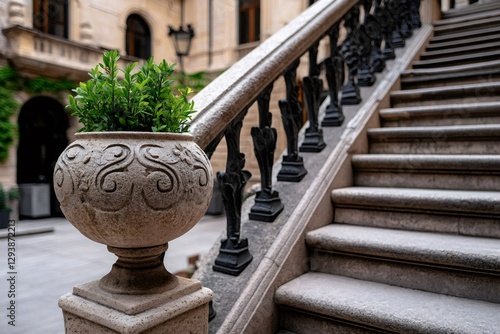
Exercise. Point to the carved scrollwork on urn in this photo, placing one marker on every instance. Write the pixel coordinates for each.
(133, 189)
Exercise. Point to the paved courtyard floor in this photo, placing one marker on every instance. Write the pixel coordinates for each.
(49, 264)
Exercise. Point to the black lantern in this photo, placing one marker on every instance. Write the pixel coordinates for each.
(182, 41)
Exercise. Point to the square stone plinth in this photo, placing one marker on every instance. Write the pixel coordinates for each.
(182, 310)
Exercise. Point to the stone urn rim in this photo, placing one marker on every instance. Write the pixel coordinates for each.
(134, 135)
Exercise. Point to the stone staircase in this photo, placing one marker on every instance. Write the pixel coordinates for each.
(415, 242)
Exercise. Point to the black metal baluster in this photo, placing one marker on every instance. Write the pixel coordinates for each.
(334, 66)
(292, 166)
(394, 8)
(350, 52)
(415, 14)
(375, 29)
(234, 255)
(313, 141)
(267, 202)
(365, 77)
(406, 23)
(387, 22)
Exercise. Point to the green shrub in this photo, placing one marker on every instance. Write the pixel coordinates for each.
(142, 101)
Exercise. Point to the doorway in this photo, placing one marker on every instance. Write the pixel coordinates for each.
(42, 138)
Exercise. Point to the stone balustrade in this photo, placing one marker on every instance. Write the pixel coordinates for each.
(51, 56)
(373, 29)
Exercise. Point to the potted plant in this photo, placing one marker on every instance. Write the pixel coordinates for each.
(4, 208)
(133, 179)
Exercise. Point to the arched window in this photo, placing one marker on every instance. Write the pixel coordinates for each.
(51, 17)
(138, 38)
(249, 21)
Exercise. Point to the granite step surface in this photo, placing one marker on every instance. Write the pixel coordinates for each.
(474, 56)
(467, 93)
(452, 114)
(461, 212)
(457, 36)
(493, 11)
(486, 22)
(382, 307)
(465, 139)
(462, 42)
(470, 10)
(451, 75)
(459, 172)
(434, 262)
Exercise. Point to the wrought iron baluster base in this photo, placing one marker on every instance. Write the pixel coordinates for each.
(388, 53)
(397, 40)
(313, 141)
(366, 77)
(233, 259)
(292, 169)
(267, 206)
(333, 116)
(377, 61)
(350, 94)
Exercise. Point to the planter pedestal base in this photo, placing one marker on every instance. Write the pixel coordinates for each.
(184, 309)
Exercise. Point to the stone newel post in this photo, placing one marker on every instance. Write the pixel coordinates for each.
(134, 192)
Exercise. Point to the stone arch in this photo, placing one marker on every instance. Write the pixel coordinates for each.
(42, 125)
(148, 19)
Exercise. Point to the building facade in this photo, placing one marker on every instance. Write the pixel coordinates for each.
(49, 41)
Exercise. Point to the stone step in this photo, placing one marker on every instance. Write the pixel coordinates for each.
(468, 93)
(342, 301)
(488, 71)
(463, 172)
(469, 58)
(491, 12)
(470, 10)
(465, 139)
(451, 114)
(457, 36)
(433, 262)
(461, 50)
(464, 212)
(462, 42)
(488, 22)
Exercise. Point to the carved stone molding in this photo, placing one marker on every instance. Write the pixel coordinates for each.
(134, 192)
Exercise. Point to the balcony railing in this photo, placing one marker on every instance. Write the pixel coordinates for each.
(372, 30)
(44, 54)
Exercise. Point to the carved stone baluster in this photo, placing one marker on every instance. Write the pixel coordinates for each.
(313, 141)
(234, 255)
(267, 202)
(375, 26)
(350, 52)
(335, 76)
(365, 76)
(387, 22)
(415, 14)
(292, 166)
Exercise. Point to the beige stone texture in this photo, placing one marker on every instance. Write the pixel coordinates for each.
(135, 192)
(183, 310)
(131, 190)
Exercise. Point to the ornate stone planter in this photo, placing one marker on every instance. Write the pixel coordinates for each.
(134, 192)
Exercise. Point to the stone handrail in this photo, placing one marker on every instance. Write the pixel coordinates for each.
(223, 99)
